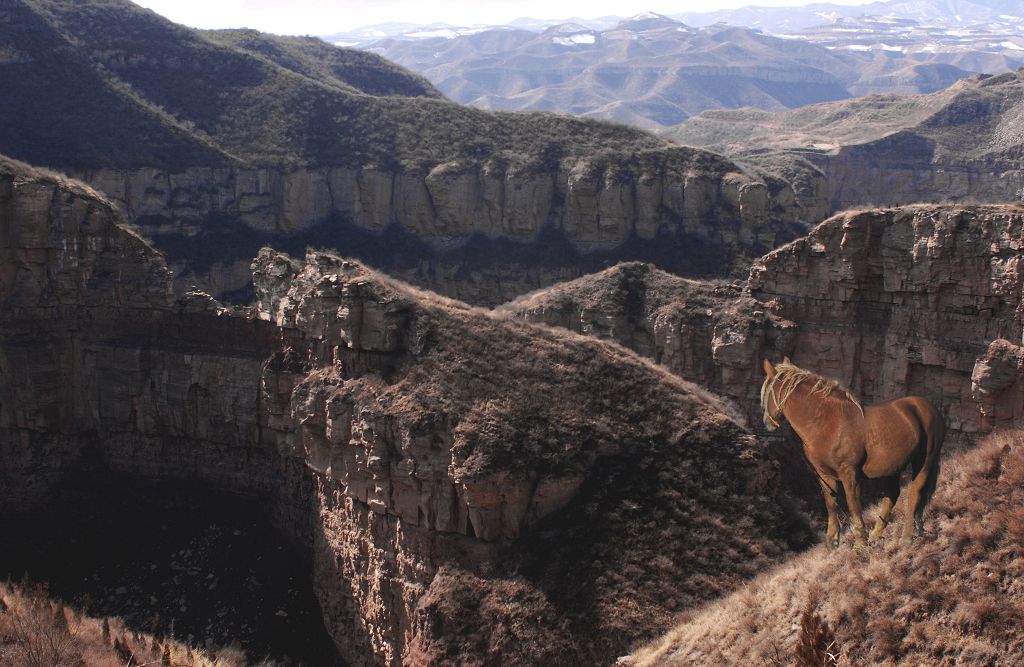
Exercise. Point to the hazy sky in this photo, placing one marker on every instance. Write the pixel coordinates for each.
(321, 17)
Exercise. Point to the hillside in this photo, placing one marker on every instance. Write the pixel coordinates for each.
(971, 118)
(252, 100)
(629, 303)
(349, 70)
(952, 598)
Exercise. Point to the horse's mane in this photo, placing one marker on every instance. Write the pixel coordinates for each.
(786, 379)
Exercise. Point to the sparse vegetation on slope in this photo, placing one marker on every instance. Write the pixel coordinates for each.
(624, 303)
(348, 70)
(184, 97)
(955, 597)
(36, 631)
(60, 110)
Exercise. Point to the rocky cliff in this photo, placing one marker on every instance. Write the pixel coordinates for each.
(920, 300)
(469, 489)
(99, 365)
(480, 232)
(461, 463)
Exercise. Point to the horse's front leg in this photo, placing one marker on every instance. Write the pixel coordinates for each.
(851, 486)
(830, 492)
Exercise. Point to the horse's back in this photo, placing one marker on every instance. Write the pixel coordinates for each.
(901, 429)
(927, 414)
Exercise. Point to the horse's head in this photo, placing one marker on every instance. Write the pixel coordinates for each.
(770, 404)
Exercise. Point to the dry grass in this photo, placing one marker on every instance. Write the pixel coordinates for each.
(36, 631)
(955, 597)
(27, 173)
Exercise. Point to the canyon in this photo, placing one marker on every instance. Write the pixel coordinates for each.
(431, 459)
(551, 456)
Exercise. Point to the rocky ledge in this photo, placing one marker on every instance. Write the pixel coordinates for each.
(470, 490)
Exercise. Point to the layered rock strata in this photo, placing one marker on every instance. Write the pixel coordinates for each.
(919, 300)
(471, 490)
(476, 231)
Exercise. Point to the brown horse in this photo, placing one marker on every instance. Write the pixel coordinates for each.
(843, 441)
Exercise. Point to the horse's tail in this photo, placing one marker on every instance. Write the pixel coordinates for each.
(935, 436)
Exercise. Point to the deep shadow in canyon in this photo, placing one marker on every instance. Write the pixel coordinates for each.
(204, 567)
(399, 252)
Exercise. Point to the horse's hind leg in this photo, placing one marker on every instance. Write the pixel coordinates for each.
(851, 485)
(915, 503)
(891, 489)
(830, 492)
(919, 492)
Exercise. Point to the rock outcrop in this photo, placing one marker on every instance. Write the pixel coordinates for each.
(470, 489)
(902, 301)
(919, 300)
(997, 384)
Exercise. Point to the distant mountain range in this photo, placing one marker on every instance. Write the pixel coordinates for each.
(773, 20)
(787, 19)
(653, 71)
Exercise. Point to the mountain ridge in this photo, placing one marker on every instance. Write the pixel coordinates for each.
(283, 140)
(964, 142)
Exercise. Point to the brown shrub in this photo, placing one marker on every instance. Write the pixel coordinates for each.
(817, 646)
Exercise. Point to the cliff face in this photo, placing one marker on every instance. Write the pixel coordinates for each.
(99, 366)
(218, 142)
(906, 168)
(472, 231)
(921, 300)
(464, 496)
